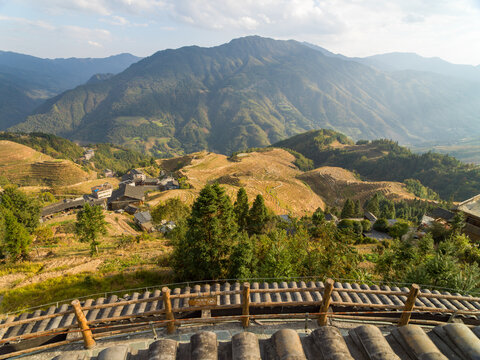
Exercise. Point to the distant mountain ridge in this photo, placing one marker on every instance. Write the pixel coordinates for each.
(252, 92)
(400, 61)
(26, 81)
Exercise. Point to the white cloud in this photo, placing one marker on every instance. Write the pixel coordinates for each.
(444, 28)
(94, 43)
(28, 22)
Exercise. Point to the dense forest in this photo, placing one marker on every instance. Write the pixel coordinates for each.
(385, 160)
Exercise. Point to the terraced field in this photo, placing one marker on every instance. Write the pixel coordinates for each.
(22, 165)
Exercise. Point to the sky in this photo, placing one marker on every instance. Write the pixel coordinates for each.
(449, 29)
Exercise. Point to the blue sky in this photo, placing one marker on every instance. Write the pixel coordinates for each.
(98, 28)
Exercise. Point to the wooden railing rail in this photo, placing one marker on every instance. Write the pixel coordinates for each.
(246, 303)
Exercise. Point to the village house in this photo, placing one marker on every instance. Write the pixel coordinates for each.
(108, 173)
(168, 183)
(144, 221)
(102, 191)
(126, 194)
(69, 204)
(88, 154)
(471, 209)
(134, 175)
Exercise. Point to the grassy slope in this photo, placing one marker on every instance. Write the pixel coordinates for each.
(65, 270)
(25, 166)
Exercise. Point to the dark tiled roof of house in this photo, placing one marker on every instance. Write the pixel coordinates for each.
(143, 217)
(449, 341)
(439, 213)
(133, 192)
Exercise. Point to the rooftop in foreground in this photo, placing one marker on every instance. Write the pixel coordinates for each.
(295, 340)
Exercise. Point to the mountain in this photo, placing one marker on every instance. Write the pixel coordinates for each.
(410, 61)
(26, 81)
(252, 92)
(385, 160)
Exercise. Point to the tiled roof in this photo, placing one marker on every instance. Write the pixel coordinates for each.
(450, 341)
(143, 217)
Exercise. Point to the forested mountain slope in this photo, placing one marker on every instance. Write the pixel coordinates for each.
(26, 81)
(253, 92)
(385, 160)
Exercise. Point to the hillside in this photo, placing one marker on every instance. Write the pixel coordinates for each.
(22, 165)
(116, 158)
(335, 184)
(26, 81)
(385, 160)
(271, 172)
(254, 92)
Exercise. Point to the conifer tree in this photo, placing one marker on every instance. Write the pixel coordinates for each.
(318, 217)
(240, 209)
(373, 205)
(204, 252)
(348, 210)
(257, 216)
(358, 209)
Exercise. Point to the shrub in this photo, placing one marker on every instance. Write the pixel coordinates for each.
(381, 225)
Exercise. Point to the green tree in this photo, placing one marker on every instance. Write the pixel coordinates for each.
(43, 234)
(387, 209)
(25, 208)
(366, 225)
(204, 251)
(458, 222)
(16, 242)
(348, 210)
(358, 209)
(373, 205)
(398, 229)
(243, 260)
(240, 208)
(90, 225)
(381, 225)
(318, 216)
(276, 258)
(173, 209)
(257, 216)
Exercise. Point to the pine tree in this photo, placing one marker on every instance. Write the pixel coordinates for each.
(318, 217)
(204, 252)
(17, 240)
(458, 222)
(240, 209)
(387, 209)
(90, 225)
(358, 209)
(257, 216)
(373, 205)
(348, 210)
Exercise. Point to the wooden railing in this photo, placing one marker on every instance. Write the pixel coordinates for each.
(204, 302)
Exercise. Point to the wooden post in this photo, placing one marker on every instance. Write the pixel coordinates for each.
(327, 293)
(246, 305)
(409, 304)
(167, 302)
(83, 324)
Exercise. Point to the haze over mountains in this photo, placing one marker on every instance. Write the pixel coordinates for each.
(26, 81)
(255, 91)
